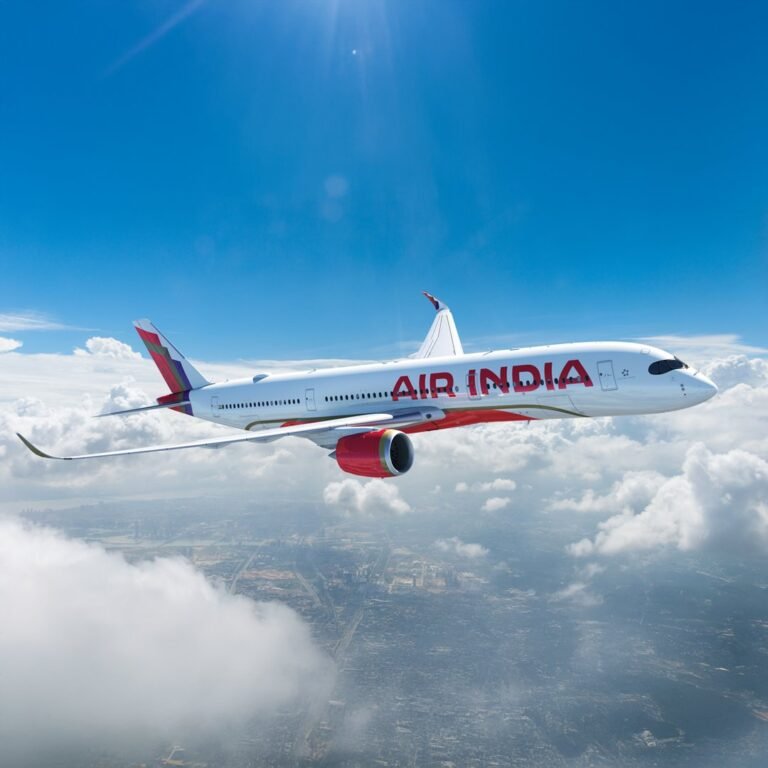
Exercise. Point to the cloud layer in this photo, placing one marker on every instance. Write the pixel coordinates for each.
(632, 480)
(719, 500)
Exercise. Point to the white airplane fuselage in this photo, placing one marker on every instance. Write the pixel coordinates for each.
(546, 382)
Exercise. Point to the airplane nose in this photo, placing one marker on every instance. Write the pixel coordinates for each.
(701, 387)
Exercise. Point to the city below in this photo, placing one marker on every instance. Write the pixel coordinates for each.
(456, 655)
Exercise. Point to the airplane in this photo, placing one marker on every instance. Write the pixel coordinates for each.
(363, 414)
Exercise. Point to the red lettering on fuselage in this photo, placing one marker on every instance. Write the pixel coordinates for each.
(525, 377)
(471, 384)
(571, 367)
(486, 375)
(404, 388)
(523, 385)
(548, 376)
(441, 383)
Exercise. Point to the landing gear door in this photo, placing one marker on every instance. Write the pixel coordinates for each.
(309, 399)
(607, 379)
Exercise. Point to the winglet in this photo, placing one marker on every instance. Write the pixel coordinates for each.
(436, 303)
(35, 449)
(442, 338)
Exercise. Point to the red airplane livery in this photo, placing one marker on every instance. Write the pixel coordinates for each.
(363, 414)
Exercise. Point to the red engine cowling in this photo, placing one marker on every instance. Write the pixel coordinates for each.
(385, 453)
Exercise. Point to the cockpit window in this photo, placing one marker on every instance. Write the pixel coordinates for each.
(665, 366)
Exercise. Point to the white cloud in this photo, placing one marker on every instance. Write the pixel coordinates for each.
(698, 350)
(495, 503)
(372, 498)
(105, 346)
(456, 546)
(8, 345)
(590, 570)
(718, 501)
(96, 648)
(578, 594)
(737, 369)
(631, 493)
(499, 484)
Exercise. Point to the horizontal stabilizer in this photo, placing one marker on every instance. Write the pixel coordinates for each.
(143, 408)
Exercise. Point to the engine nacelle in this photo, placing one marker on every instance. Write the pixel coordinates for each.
(385, 453)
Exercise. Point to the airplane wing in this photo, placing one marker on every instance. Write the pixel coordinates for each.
(443, 338)
(364, 422)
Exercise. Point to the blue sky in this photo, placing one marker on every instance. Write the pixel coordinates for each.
(281, 179)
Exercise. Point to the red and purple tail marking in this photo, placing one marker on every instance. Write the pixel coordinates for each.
(179, 374)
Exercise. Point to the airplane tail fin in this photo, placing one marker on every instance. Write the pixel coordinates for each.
(179, 374)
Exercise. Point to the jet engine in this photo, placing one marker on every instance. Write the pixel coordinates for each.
(384, 453)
